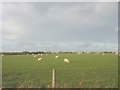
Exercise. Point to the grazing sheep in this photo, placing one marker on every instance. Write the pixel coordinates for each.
(41, 54)
(39, 59)
(116, 53)
(66, 60)
(34, 56)
(103, 54)
(56, 56)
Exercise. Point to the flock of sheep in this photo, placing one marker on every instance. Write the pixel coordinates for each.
(39, 59)
(65, 59)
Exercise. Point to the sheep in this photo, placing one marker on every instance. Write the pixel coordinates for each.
(41, 54)
(103, 54)
(116, 53)
(34, 56)
(66, 60)
(39, 59)
(56, 56)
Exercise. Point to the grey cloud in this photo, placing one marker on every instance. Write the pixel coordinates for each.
(60, 26)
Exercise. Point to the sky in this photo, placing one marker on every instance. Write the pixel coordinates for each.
(60, 26)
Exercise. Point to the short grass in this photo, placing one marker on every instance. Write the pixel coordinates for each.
(83, 71)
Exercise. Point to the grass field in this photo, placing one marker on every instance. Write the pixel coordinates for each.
(83, 71)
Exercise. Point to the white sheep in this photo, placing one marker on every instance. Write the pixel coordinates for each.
(41, 54)
(56, 56)
(39, 59)
(116, 53)
(103, 54)
(34, 56)
(66, 60)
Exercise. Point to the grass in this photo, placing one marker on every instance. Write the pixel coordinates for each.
(83, 71)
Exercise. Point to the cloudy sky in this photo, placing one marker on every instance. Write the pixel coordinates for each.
(59, 26)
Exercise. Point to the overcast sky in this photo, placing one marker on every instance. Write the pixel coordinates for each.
(60, 26)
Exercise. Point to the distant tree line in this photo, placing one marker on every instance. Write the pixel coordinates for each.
(42, 52)
(24, 53)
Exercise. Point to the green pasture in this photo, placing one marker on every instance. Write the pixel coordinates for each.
(84, 71)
